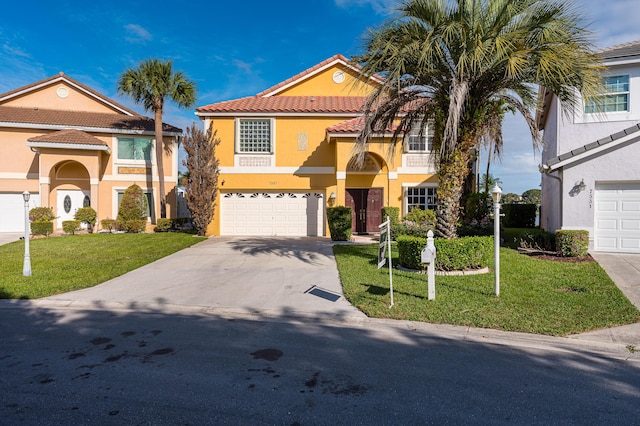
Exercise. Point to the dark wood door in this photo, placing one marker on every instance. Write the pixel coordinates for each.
(365, 204)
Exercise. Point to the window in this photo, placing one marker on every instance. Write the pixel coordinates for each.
(420, 141)
(134, 149)
(617, 97)
(254, 136)
(423, 198)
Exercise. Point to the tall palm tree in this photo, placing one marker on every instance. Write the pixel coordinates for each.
(151, 83)
(460, 64)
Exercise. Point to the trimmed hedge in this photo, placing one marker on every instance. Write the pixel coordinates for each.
(451, 255)
(135, 225)
(86, 215)
(572, 243)
(163, 225)
(110, 224)
(519, 215)
(41, 214)
(394, 218)
(70, 226)
(42, 227)
(339, 219)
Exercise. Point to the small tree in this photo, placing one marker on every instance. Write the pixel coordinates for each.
(88, 216)
(532, 196)
(201, 183)
(133, 208)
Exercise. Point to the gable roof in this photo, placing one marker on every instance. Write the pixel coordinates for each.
(61, 77)
(71, 138)
(592, 148)
(353, 127)
(289, 104)
(94, 121)
(620, 51)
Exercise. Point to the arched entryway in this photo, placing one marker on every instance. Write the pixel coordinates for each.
(70, 189)
(364, 193)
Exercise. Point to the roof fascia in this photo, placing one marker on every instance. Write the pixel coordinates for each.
(83, 128)
(61, 145)
(60, 78)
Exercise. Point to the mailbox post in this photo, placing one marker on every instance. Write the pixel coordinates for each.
(428, 256)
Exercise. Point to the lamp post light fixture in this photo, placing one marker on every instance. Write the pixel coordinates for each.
(332, 198)
(496, 194)
(26, 267)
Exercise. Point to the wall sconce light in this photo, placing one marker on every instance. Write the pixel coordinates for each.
(582, 186)
(332, 198)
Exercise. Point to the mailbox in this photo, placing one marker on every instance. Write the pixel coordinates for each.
(428, 254)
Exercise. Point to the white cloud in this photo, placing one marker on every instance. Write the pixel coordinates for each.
(382, 7)
(137, 34)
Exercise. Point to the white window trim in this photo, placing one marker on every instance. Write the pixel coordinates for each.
(429, 133)
(272, 122)
(606, 94)
(124, 162)
(405, 193)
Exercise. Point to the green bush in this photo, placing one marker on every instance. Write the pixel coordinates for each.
(42, 227)
(133, 205)
(417, 223)
(86, 215)
(519, 215)
(477, 207)
(70, 226)
(339, 219)
(41, 214)
(413, 229)
(572, 243)
(394, 218)
(451, 255)
(109, 224)
(135, 225)
(163, 225)
(422, 217)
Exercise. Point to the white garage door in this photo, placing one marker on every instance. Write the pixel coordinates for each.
(617, 218)
(270, 213)
(12, 211)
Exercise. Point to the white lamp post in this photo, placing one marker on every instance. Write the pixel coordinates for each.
(26, 267)
(496, 194)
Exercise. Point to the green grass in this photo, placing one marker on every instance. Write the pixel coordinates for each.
(536, 296)
(74, 262)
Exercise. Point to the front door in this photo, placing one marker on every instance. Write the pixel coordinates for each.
(68, 201)
(365, 204)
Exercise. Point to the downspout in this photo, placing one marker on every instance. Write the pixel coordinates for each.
(544, 168)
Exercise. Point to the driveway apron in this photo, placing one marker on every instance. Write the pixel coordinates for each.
(278, 275)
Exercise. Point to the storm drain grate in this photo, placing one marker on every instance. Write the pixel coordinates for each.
(325, 294)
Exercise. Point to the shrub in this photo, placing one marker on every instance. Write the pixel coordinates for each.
(416, 223)
(422, 217)
(163, 225)
(476, 228)
(339, 219)
(412, 229)
(135, 225)
(394, 218)
(109, 224)
(572, 243)
(41, 214)
(133, 205)
(70, 226)
(42, 227)
(451, 255)
(86, 215)
(477, 207)
(519, 215)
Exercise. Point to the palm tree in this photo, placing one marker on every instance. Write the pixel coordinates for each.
(151, 83)
(460, 65)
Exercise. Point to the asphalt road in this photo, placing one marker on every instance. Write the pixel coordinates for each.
(104, 366)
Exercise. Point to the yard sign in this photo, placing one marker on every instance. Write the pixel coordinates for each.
(384, 247)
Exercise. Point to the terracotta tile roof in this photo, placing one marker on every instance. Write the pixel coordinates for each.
(62, 77)
(621, 50)
(48, 117)
(69, 136)
(355, 125)
(289, 104)
(334, 58)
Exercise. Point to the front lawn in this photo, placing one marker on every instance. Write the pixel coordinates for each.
(62, 264)
(536, 296)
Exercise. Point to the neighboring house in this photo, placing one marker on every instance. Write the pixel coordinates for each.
(591, 178)
(70, 147)
(287, 153)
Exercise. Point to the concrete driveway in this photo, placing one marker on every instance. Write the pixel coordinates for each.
(9, 237)
(281, 276)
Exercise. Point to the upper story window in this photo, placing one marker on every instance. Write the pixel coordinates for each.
(420, 139)
(255, 135)
(134, 149)
(616, 98)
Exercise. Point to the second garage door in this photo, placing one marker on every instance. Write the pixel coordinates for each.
(272, 213)
(617, 220)
(12, 211)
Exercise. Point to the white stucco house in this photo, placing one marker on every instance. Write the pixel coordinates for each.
(591, 160)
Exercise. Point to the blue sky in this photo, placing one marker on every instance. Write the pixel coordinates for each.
(233, 49)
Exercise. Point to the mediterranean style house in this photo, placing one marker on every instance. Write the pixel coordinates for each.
(591, 178)
(70, 147)
(286, 154)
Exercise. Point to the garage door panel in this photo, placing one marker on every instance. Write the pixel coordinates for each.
(12, 211)
(266, 214)
(617, 221)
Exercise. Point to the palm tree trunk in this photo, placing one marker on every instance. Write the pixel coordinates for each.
(160, 161)
(451, 177)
